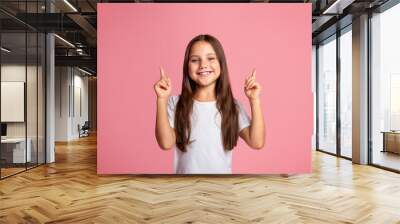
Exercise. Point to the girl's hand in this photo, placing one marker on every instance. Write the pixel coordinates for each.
(163, 87)
(252, 88)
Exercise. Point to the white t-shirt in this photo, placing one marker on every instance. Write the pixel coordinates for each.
(205, 155)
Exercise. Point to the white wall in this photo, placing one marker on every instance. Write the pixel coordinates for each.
(71, 93)
(62, 78)
(15, 72)
(81, 102)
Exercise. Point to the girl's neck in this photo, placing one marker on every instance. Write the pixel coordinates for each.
(205, 94)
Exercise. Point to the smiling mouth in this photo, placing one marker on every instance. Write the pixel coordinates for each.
(204, 73)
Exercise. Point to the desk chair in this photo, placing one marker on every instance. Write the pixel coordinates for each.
(84, 130)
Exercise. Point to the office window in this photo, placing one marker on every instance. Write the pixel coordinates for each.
(327, 95)
(314, 90)
(385, 88)
(346, 92)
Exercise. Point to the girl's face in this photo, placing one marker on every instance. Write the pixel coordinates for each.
(204, 67)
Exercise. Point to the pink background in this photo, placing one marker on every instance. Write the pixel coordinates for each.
(134, 40)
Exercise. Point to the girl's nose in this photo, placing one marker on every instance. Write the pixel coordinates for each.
(203, 64)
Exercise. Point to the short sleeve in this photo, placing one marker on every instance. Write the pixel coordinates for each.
(244, 119)
(171, 106)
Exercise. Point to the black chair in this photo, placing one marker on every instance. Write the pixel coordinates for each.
(84, 130)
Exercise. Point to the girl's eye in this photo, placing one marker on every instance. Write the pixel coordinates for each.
(194, 60)
(211, 59)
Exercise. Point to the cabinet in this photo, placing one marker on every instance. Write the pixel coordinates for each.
(391, 142)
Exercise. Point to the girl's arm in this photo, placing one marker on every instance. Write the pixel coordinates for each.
(254, 135)
(165, 135)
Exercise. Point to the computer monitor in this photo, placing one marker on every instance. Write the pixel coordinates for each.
(3, 129)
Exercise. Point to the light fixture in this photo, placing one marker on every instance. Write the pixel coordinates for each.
(79, 51)
(64, 40)
(70, 5)
(84, 71)
(5, 50)
(337, 7)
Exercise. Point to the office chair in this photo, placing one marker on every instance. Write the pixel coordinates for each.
(84, 130)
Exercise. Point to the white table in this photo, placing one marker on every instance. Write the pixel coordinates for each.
(18, 145)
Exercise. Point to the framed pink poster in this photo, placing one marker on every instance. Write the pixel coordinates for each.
(135, 40)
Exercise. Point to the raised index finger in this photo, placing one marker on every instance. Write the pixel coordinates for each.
(253, 74)
(162, 73)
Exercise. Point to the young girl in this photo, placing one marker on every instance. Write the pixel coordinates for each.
(204, 122)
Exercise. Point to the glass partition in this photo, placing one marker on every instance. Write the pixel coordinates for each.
(32, 95)
(14, 153)
(22, 88)
(327, 95)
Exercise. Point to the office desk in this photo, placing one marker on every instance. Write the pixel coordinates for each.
(391, 141)
(13, 150)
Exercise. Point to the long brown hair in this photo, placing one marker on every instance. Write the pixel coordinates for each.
(225, 101)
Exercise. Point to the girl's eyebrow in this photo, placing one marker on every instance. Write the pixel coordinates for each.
(194, 55)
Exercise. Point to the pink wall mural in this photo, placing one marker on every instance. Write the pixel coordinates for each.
(134, 40)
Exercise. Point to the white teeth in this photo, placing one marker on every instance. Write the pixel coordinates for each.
(204, 73)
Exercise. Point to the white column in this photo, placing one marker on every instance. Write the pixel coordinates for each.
(360, 90)
(50, 100)
(50, 91)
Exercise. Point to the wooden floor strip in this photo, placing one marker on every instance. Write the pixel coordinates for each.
(70, 191)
